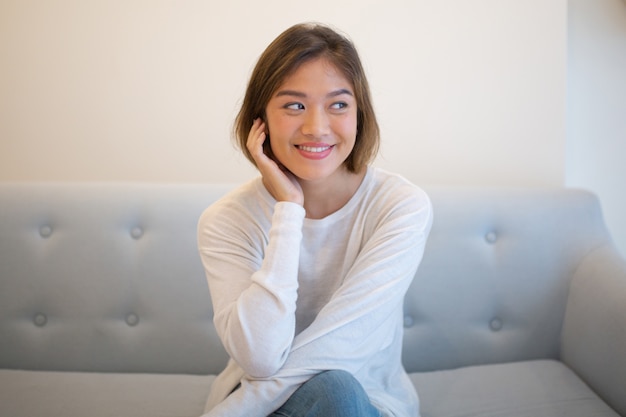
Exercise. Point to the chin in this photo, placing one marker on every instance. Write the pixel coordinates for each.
(313, 175)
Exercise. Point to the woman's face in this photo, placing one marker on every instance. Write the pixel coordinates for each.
(312, 121)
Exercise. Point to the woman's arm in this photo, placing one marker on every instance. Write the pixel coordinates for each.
(253, 288)
(254, 301)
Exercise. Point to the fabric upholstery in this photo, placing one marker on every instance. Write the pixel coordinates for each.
(594, 333)
(519, 304)
(105, 278)
(494, 281)
(521, 389)
(69, 394)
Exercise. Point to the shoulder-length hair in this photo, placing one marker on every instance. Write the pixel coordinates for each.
(295, 46)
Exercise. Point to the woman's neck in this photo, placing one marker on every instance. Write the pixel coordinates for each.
(324, 197)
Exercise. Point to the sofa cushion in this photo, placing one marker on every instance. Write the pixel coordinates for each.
(105, 278)
(523, 389)
(543, 388)
(494, 281)
(76, 394)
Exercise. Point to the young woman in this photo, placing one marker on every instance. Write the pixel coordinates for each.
(308, 264)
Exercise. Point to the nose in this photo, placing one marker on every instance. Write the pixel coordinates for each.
(316, 123)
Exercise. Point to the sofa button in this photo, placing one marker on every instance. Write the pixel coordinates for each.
(495, 324)
(45, 231)
(136, 232)
(491, 237)
(40, 320)
(408, 321)
(132, 319)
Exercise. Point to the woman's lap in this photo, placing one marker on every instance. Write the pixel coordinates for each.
(329, 394)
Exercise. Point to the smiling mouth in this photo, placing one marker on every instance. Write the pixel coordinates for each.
(314, 149)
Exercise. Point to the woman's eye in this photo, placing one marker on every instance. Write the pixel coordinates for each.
(294, 106)
(339, 105)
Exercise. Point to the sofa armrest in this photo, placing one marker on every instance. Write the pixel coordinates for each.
(594, 332)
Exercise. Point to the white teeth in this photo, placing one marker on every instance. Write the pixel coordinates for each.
(313, 149)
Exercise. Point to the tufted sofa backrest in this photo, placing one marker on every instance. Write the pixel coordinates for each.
(106, 277)
(494, 281)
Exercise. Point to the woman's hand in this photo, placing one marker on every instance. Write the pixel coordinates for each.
(280, 183)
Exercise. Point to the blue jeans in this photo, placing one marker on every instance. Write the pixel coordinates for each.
(329, 394)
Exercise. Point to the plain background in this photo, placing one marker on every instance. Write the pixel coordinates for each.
(468, 92)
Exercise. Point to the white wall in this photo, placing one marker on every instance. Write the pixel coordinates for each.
(596, 118)
(145, 90)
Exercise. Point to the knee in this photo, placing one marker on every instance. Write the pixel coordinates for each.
(342, 391)
(331, 393)
(338, 381)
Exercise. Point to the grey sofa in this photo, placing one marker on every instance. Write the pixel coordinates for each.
(518, 308)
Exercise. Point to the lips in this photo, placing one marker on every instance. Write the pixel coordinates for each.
(315, 150)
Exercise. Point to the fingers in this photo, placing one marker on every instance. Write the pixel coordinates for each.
(277, 179)
(256, 137)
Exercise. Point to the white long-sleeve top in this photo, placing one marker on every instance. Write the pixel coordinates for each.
(293, 296)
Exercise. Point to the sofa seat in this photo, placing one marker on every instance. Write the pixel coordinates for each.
(542, 388)
(90, 394)
(545, 388)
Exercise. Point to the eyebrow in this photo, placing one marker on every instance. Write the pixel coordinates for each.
(300, 94)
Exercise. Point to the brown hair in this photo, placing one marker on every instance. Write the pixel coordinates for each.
(292, 48)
